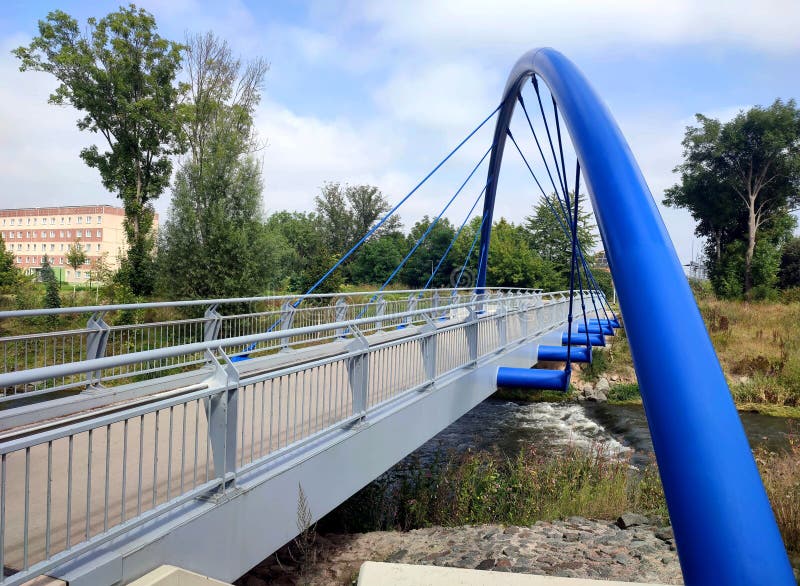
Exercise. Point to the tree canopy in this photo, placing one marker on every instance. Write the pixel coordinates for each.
(740, 180)
(120, 74)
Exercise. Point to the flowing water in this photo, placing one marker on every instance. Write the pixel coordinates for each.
(621, 430)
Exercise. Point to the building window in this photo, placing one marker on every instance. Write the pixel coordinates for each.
(34, 234)
(19, 246)
(62, 220)
(27, 234)
(52, 221)
(88, 219)
(11, 236)
(80, 219)
(61, 260)
(62, 246)
(78, 274)
(98, 248)
(88, 247)
(79, 233)
(69, 220)
(29, 221)
(99, 233)
(61, 233)
(69, 234)
(99, 219)
(19, 259)
(52, 234)
(19, 234)
(52, 247)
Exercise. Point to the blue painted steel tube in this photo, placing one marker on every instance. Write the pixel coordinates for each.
(532, 378)
(725, 530)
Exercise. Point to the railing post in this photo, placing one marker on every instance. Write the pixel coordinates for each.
(413, 301)
(287, 321)
(222, 414)
(96, 342)
(340, 313)
(358, 372)
(471, 330)
(455, 299)
(213, 323)
(502, 322)
(428, 346)
(380, 311)
(435, 302)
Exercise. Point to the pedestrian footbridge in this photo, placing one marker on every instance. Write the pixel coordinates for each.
(206, 434)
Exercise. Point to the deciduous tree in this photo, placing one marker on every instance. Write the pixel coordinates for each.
(740, 176)
(120, 74)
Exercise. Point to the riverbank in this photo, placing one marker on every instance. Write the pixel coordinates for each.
(575, 547)
(756, 344)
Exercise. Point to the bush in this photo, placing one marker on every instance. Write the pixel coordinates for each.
(624, 392)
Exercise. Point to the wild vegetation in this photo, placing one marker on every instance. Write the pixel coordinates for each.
(475, 488)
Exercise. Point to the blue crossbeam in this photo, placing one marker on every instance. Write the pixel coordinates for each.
(559, 353)
(532, 378)
(596, 329)
(578, 340)
(611, 322)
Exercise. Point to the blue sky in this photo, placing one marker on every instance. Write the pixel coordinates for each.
(379, 91)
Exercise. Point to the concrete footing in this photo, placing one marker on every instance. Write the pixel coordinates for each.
(378, 574)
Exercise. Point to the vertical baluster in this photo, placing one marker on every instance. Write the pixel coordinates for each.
(108, 475)
(26, 522)
(69, 489)
(89, 487)
(155, 461)
(141, 466)
(124, 470)
(49, 500)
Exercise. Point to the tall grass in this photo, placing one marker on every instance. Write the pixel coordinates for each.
(779, 473)
(476, 488)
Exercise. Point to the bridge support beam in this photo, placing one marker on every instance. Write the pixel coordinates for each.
(222, 411)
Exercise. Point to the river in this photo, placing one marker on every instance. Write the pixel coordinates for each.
(508, 426)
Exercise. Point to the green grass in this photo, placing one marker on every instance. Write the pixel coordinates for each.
(477, 488)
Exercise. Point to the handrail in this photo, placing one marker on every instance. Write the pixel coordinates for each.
(725, 530)
(21, 377)
(17, 313)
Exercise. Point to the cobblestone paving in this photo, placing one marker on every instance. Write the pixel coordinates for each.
(576, 547)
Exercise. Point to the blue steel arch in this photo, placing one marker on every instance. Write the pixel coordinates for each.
(725, 530)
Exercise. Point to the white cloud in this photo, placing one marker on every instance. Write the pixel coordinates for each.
(449, 25)
(39, 143)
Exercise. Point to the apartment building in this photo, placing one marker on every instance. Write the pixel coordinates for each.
(30, 233)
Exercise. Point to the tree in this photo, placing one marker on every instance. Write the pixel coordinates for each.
(512, 263)
(9, 273)
(421, 264)
(307, 257)
(545, 235)
(348, 212)
(76, 258)
(790, 264)
(214, 242)
(749, 169)
(377, 259)
(121, 74)
(52, 298)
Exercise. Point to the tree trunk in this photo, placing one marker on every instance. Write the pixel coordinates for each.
(751, 246)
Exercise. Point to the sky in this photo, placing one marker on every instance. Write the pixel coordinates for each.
(380, 91)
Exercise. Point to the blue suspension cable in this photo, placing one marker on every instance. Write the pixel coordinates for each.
(471, 248)
(422, 238)
(392, 211)
(567, 232)
(453, 241)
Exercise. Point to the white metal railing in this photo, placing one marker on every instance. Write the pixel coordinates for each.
(167, 324)
(72, 486)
